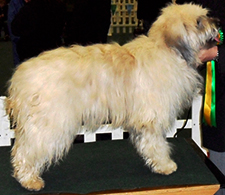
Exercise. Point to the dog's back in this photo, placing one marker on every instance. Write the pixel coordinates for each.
(78, 81)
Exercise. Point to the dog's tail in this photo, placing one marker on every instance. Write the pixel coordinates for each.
(10, 106)
(9, 111)
(7, 106)
(174, 1)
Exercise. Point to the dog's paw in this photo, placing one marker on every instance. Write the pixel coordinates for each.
(165, 168)
(33, 184)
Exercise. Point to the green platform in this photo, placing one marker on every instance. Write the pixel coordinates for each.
(110, 165)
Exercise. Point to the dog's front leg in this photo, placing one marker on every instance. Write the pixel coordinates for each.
(155, 150)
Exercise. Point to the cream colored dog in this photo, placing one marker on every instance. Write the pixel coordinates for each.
(142, 86)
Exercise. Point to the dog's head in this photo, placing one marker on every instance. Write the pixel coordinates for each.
(187, 29)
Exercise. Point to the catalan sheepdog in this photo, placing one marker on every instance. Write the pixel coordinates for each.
(141, 86)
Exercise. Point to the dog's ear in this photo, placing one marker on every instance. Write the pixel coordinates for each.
(180, 43)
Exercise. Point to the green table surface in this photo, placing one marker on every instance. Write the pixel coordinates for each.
(110, 165)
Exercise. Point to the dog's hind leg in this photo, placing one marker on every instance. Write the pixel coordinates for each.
(155, 150)
(34, 150)
(27, 166)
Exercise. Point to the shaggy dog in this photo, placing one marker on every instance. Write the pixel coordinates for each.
(141, 86)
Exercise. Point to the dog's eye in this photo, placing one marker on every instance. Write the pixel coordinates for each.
(198, 22)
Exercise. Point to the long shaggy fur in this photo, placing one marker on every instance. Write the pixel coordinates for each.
(142, 86)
